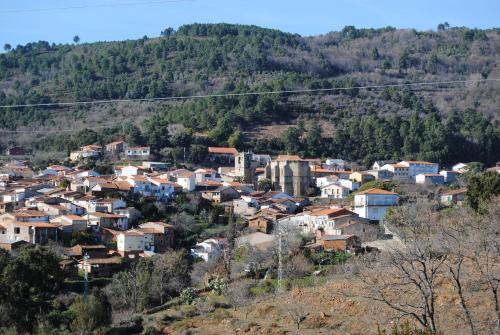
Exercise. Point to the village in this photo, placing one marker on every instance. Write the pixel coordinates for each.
(93, 217)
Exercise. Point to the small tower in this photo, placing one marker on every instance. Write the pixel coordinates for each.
(245, 166)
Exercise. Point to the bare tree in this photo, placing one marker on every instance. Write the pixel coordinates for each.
(406, 279)
(486, 253)
(171, 273)
(204, 307)
(228, 252)
(288, 241)
(296, 309)
(203, 272)
(252, 260)
(124, 291)
(461, 248)
(455, 234)
(238, 294)
(297, 266)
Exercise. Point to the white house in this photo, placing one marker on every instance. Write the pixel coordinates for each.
(85, 173)
(15, 195)
(378, 164)
(334, 191)
(310, 222)
(74, 222)
(373, 203)
(129, 243)
(137, 240)
(429, 178)
(399, 171)
(335, 164)
(139, 152)
(107, 205)
(99, 220)
(460, 167)
(163, 189)
(350, 184)
(89, 151)
(207, 250)
(185, 178)
(450, 176)
(417, 167)
(141, 185)
(203, 175)
(128, 171)
(89, 182)
(55, 170)
(326, 180)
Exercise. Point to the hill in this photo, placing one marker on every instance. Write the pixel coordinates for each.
(202, 59)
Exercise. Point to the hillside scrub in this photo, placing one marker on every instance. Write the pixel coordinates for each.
(435, 123)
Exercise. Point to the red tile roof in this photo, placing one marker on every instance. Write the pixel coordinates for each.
(37, 224)
(377, 191)
(163, 181)
(112, 260)
(159, 223)
(458, 191)
(331, 212)
(28, 213)
(289, 158)
(222, 150)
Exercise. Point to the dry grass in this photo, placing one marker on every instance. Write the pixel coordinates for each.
(332, 308)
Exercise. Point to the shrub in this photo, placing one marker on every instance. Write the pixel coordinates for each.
(188, 295)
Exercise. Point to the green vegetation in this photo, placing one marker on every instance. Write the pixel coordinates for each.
(91, 314)
(482, 188)
(29, 283)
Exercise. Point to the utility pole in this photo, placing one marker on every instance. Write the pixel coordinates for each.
(85, 277)
(280, 260)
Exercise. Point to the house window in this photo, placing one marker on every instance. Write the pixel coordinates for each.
(17, 230)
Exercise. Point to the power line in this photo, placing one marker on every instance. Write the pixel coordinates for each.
(203, 96)
(111, 124)
(108, 125)
(123, 4)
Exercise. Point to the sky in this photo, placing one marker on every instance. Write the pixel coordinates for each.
(23, 21)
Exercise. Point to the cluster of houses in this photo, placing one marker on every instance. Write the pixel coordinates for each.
(305, 195)
(116, 149)
(35, 209)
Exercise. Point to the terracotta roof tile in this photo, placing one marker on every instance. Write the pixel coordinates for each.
(289, 158)
(37, 224)
(377, 191)
(223, 150)
(458, 191)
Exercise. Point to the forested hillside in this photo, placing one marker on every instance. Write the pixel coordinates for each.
(442, 123)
